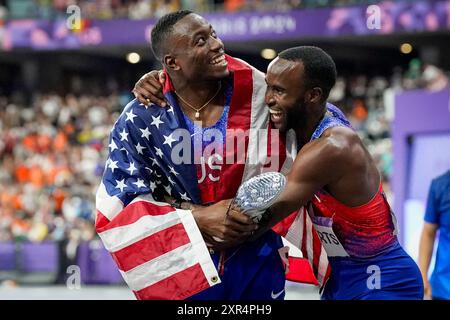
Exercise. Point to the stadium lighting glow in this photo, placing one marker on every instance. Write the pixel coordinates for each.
(406, 48)
(268, 54)
(133, 57)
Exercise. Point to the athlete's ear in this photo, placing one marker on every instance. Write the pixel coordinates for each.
(315, 95)
(171, 62)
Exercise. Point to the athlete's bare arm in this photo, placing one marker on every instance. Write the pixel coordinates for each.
(337, 162)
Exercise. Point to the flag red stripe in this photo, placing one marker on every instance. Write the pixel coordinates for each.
(100, 221)
(176, 287)
(300, 271)
(151, 247)
(133, 212)
(284, 225)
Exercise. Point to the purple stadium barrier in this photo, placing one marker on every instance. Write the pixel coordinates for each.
(83, 261)
(39, 257)
(97, 265)
(7, 256)
(95, 262)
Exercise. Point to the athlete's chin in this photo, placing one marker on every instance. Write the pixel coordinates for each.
(217, 70)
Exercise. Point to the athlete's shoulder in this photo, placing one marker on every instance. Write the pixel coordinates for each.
(340, 135)
(340, 142)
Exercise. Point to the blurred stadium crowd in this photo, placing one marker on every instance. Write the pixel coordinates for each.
(52, 151)
(51, 159)
(141, 9)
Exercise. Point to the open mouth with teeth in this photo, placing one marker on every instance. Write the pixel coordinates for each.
(219, 61)
(275, 115)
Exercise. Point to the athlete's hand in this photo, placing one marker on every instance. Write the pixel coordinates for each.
(149, 88)
(222, 227)
(427, 290)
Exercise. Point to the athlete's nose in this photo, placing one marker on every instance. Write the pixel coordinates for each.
(217, 44)
(268, 98)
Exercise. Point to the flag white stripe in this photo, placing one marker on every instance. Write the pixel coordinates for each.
(295, 232)
(160, 268)
(107, 205)
(259, 119)
(309, 240)
(323, 266)
(121, 237)
(199, 247)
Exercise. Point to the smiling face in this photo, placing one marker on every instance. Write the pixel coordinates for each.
(286, 93)
(196, 50)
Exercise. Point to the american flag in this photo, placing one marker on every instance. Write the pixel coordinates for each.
(299, 230)
(159, 249)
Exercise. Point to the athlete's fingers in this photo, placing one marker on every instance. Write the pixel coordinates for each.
(143, 100)
(140, 89)
(241, 228)
(151, 93)
(162, 77)
(221, 245)
(230, 234)
(221, 236)
(240, 217)
(157, 93)
(150, 87)
(209, 239)
(155, 79)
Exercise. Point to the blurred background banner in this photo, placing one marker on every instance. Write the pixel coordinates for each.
(67, 69)
(397, 17)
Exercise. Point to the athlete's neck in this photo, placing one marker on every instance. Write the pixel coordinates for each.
(305, 131)
(195, 93)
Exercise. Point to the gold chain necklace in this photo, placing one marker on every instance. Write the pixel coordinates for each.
(197, 110)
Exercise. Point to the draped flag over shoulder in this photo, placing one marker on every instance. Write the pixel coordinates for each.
(159, 249)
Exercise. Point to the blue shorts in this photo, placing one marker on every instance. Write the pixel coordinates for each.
(253, 271)
(392, 275)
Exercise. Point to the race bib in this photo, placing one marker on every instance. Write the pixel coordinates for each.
(329, 240)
